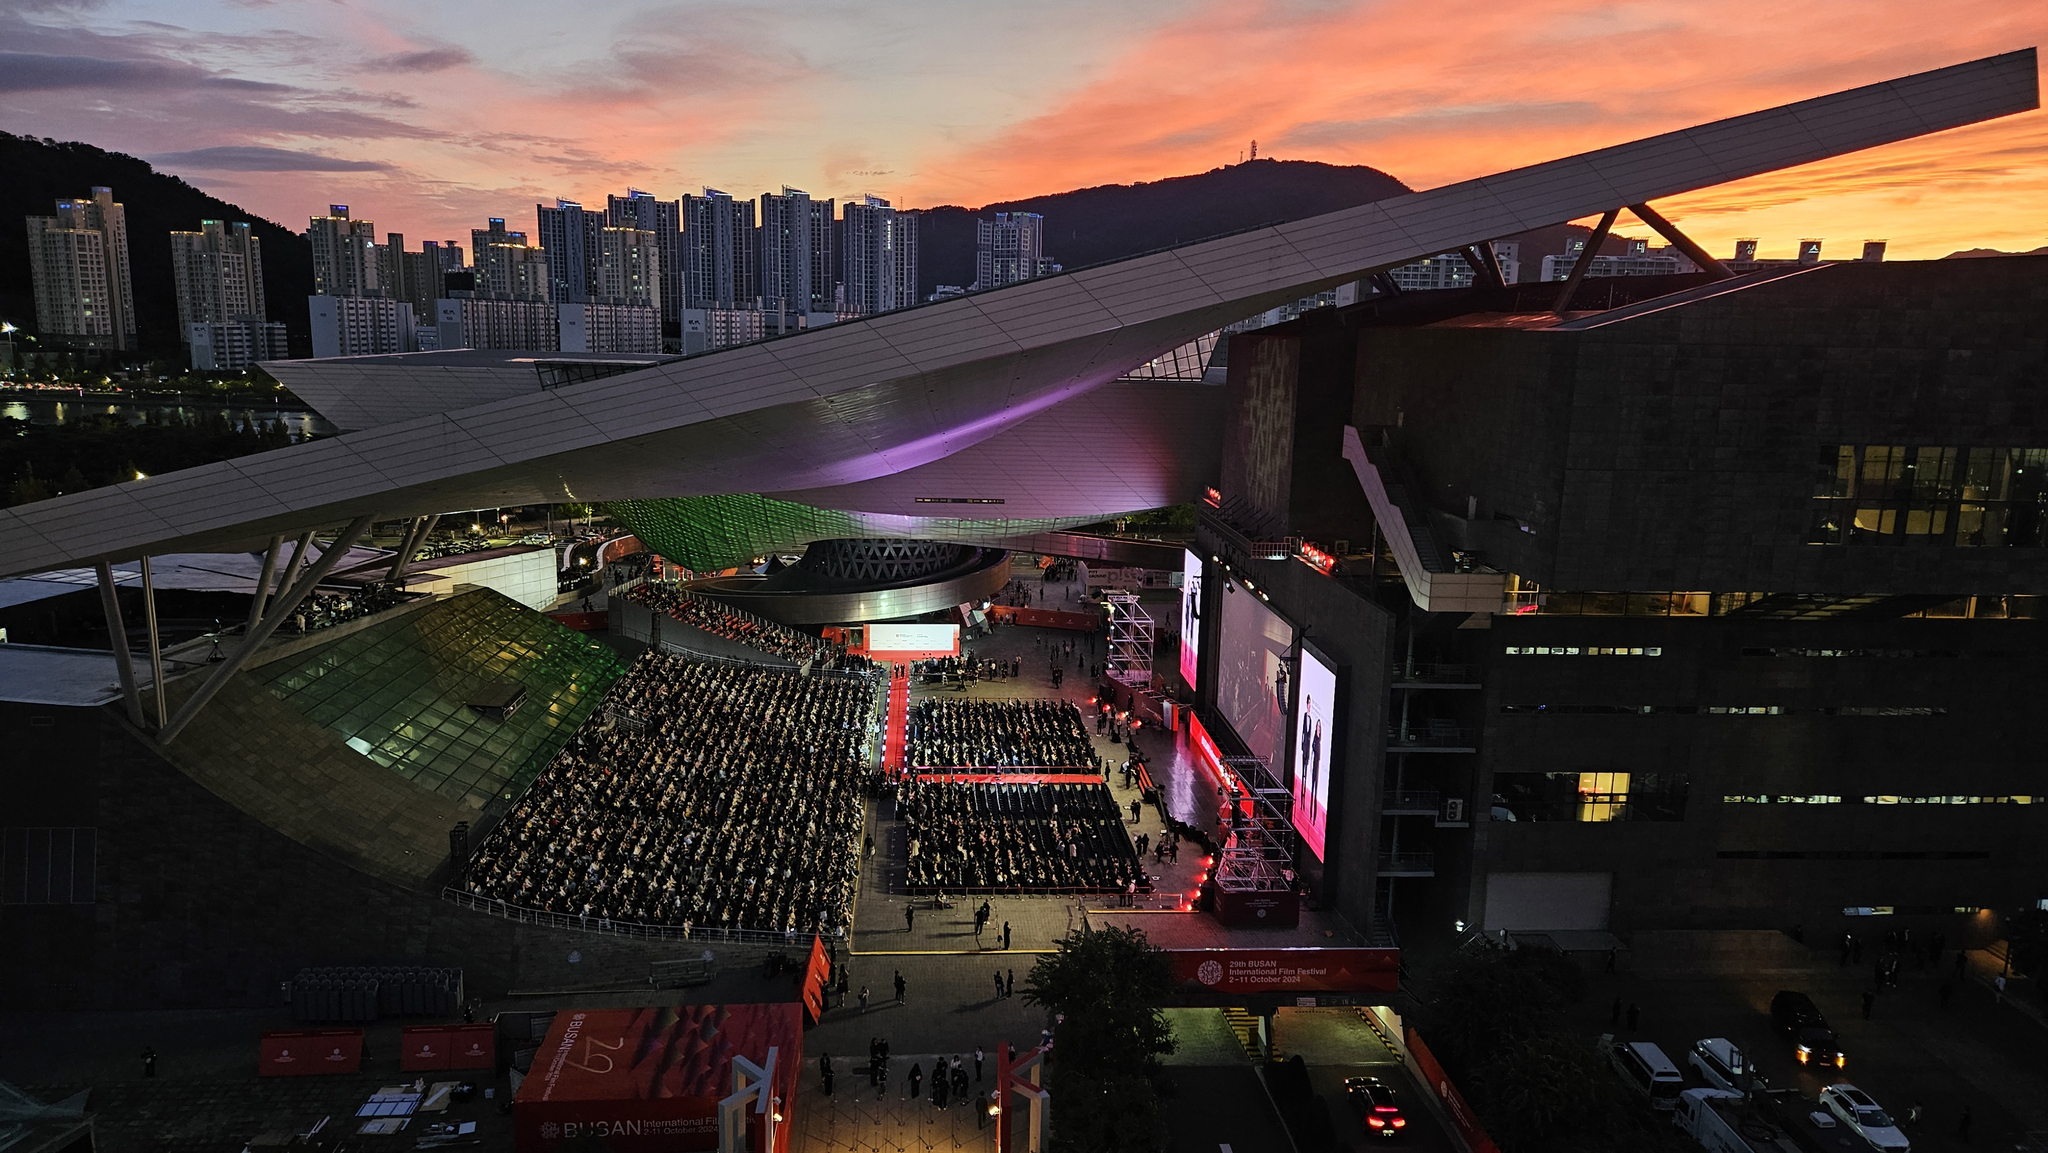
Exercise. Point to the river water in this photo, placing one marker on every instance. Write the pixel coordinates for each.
(301, 422)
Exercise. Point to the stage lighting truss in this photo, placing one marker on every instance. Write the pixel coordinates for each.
(1130, 639)
(1259, 858)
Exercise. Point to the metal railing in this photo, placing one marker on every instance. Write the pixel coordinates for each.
(520, 914)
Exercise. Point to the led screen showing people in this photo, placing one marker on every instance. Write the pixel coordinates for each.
(1251, 671)
(1315, 749)
(1190, 615)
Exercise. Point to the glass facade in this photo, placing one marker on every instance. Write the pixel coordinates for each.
(400, 692)
(1590, 796)
(1891, 494)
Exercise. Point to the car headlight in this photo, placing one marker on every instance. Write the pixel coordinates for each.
(1841, 1061)
(1804, 1053)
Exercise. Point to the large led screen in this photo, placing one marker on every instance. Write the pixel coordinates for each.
(1315, 749)
(1251, 671)
(1190, 615)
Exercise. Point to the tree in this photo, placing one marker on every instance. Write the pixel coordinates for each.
(1108, 987)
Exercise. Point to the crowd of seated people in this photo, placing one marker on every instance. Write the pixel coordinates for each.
(967, 837)
(992, 734)
(716, 795)
(725, 622)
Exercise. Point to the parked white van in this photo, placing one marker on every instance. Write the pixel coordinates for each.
(1645, 1067)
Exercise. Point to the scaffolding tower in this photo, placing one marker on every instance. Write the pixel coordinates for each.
(1130, 639)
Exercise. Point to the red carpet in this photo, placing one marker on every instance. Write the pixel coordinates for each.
(899, 721)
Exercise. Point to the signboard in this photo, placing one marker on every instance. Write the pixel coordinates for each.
(310, 1052)
(649, 1080)
(1279, 909)
(1432, 1074)
(1291, 972)
(1315, 749)
(816, 974)
(423, 1047)
(1190, 616)
(912, 642)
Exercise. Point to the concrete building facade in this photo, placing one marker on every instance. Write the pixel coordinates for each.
(78, 261)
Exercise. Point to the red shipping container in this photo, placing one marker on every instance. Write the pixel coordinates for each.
(423, 1047)
(472, 1047)
(310, 1052)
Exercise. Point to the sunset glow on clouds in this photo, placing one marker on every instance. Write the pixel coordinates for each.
(428, 117)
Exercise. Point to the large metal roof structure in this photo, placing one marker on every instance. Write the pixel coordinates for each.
(833, 413)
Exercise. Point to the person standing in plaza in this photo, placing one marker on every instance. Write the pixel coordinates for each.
(999, 984)
(899, 986)
(977, 1064)
(1010, 985)
(1006, 934)
(909, 918)
(825, 1070)
(916, 1080)
(863, 998)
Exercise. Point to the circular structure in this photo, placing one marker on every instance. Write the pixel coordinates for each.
(846, 581)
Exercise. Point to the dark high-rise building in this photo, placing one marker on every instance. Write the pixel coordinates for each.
(878, 257)
(796, 255)
(663, 218)
(1719, 605)
(720, 269)
(572, 239)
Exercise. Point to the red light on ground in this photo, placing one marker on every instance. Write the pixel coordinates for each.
(1525, 610)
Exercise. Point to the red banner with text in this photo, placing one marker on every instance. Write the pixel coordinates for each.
(1290, 971)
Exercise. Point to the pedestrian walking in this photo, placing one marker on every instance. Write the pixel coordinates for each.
(1173, 853)
(940, 1088)
(1006, 934)
(909, 917)
(959, 1076)
(1135, 809)
(149, 1060)
(916, 1081)
(863, 998)
(899, 990)
(1010, 984)
(977, 1064)
(1998, 983)
(1633, 1015)
(825, 1070)
(999, 984)
(1913, 1115)
(981, 1110)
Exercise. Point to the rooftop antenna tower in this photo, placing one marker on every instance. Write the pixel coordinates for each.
(1255, 150)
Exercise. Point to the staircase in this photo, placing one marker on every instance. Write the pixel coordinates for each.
(1245, 1026)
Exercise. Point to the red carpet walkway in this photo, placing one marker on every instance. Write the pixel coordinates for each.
(894, 736)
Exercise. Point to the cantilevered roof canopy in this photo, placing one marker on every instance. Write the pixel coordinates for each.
(856, 401)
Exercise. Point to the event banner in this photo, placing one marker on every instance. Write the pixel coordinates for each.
(913, 642)
(816, 975)
(1290, 971)
(1190, 615)
(310, 1053)
(1432, 1074)
(423, 1047)
(649, 1080)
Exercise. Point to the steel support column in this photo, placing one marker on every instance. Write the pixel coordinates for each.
(1680, 240)
(117, 639)
(291, 572)
(414, 538)
(156, 648)
(1485, 266)
(1585, 262)
(281, 607)
(263, 582)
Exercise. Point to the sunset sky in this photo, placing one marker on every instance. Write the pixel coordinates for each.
(430, 116)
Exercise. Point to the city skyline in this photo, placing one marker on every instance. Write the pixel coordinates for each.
(428, 120)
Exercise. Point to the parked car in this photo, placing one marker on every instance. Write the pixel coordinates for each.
(1378, 1109)
(1648, 1071)
(1856, 1110)
(1721, 1064)
(1799, 1020)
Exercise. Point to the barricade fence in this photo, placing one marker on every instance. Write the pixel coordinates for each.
(701, 934)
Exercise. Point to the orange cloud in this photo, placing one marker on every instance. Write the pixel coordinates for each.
(1434, 91)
